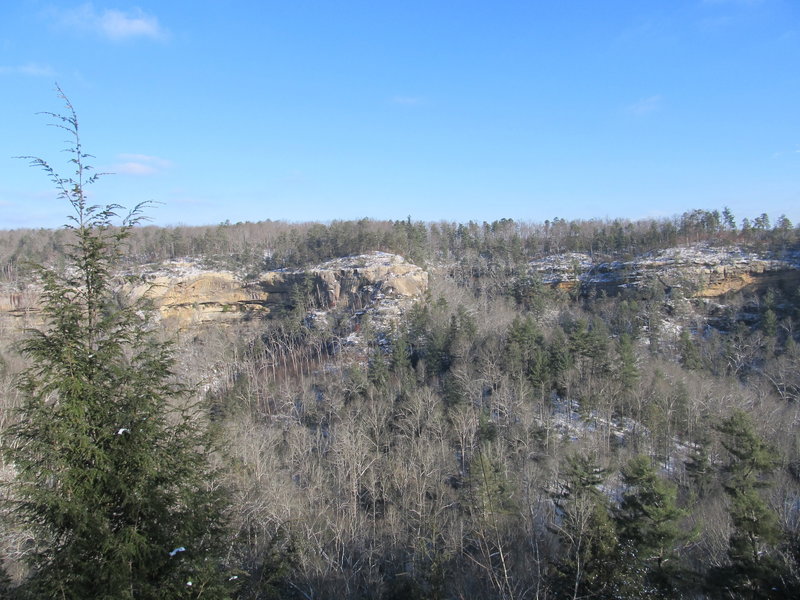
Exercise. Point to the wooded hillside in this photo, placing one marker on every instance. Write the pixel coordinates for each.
(507, 437)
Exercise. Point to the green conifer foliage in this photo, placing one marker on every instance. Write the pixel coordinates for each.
(698, 467)
(690, 355)
(112, 472)
(588, 565)
(648, 523)
(560, 360)
(526, 353)
(628, 372)
(770, 323)
(755, 571)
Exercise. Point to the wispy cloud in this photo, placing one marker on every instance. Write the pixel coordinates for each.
(786, 152)
(116, 25)
(29, 69)
(645, 106)
(140, 164)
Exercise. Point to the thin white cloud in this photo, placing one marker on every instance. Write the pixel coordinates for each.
(645, 106)
(116, 25)
(29, 69)
(134, 168)
(781, 153)
(154, 160)
(140, 164)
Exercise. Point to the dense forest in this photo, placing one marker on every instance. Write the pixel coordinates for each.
(504, 244)
(506, 438)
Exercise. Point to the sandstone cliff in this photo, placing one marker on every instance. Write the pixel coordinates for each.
(380, 282)
(700, 270)
(384, 285)
(185, 294)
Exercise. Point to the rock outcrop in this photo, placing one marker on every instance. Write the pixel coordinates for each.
(701, 270)
(378, 282)
(185, 294)
(385, 285)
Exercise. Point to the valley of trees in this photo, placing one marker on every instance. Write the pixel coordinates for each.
(505, 439)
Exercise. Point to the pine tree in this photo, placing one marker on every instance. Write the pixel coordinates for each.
(728, 219)
(648, 527)
(754, 571)
(560, 360)
(698, 467)
(628, 372)
(113, 478)
(400, 360)
(690, 355)
(588, 565)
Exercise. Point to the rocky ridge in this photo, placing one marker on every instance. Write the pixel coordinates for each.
(701, 270)
(186, 295)
(384, 285)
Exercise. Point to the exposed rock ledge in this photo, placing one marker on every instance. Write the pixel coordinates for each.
(705, 271)
(185, 294)
(378, 282)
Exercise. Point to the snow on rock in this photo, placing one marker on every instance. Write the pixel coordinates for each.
(380, 283)
(186, 294)
(708, 270)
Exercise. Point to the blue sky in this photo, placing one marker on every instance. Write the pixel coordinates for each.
(441, 110)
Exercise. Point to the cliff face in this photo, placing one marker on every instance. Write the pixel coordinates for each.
(385, 285)
(185, 295)
(378, 282)
(703, 271)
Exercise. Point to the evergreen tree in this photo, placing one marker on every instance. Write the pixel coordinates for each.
(648, 527)
(628, 372)
(690, 355)
(769, 320)
(401, 353)
(560, 360)
(728, 219)
(522, 337)
(698, 467)
(754, 571)
(112, 460)
(588, 566)
(770, 323)
(378, 369)
(526, 354)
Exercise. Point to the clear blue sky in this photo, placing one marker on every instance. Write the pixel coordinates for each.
(455, 110)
